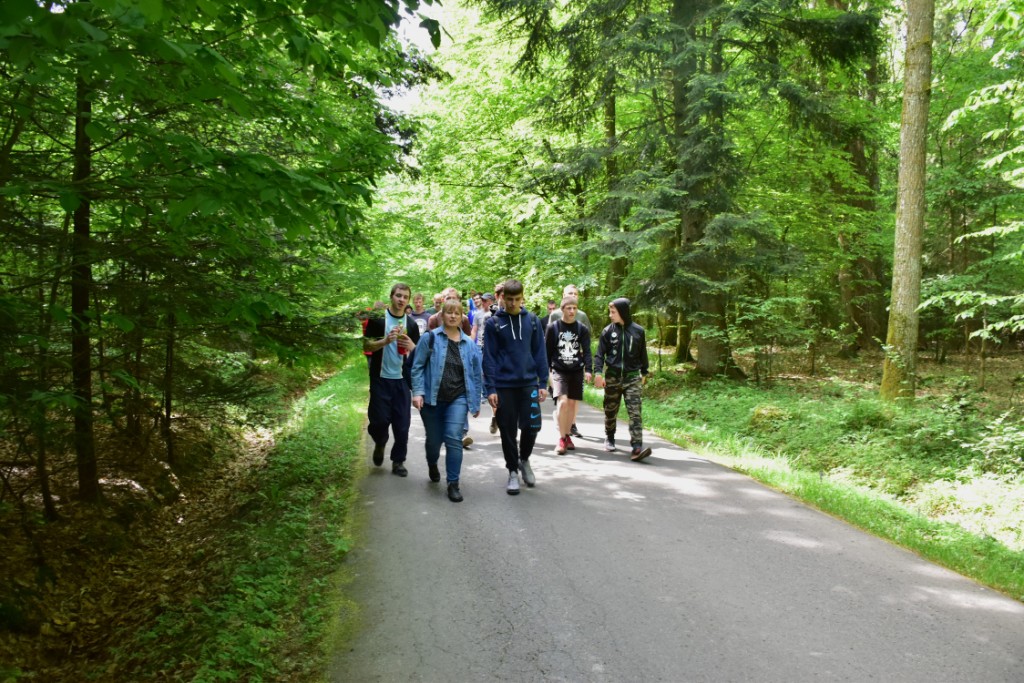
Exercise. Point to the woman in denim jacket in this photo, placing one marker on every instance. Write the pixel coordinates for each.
(446, 384)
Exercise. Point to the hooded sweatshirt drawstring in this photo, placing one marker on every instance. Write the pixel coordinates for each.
(519, 317)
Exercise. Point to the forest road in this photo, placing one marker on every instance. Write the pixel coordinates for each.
(674, 569)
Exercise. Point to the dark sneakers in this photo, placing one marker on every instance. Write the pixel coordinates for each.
(575, 432)
(399, 469)
(435, 474)
(454, 495)
(639, 453)
(378, 454)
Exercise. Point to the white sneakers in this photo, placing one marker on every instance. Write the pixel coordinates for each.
(528, 478)
(513, 484)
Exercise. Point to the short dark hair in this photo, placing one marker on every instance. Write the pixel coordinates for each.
(512, 288)
(400, 285)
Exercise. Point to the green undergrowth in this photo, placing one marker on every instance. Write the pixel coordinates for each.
(938, 475)
(267, 616)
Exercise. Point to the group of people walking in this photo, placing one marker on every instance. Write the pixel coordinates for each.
(501, 354)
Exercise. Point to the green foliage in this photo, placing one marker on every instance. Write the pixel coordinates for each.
(872, 442)
(218, 179)
(868, 414)
(1001, 446)
(288, 538)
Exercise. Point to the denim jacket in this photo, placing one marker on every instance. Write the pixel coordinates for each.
(428, 365)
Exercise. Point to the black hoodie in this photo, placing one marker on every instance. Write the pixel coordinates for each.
(622, 349)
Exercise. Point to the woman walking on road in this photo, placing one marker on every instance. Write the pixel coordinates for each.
(446, 384)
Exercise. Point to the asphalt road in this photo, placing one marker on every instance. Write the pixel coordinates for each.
(674, 569)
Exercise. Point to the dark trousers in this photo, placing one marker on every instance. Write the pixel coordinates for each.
(390, 406)
(518, 409)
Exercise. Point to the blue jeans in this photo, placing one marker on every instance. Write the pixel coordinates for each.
(443, 423)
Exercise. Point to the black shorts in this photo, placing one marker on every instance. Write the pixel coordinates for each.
(568, 384)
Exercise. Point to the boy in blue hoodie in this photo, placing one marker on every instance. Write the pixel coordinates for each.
(622, 357)
(515, 377)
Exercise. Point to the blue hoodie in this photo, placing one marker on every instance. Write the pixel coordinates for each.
(514, 353)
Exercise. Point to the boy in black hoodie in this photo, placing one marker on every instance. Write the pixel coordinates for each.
(515, 378)
(622, 349)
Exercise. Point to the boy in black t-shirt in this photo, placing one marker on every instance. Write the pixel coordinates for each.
(568, 347)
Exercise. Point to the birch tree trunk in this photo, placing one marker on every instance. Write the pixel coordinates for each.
(899, 371)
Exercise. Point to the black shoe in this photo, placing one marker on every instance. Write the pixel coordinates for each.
(575, 432)
(435, 474)
(399, 469)
(454, 495)
(378, 454)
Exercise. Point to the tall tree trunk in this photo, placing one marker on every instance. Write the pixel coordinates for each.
(618, 267)
(899, 370)
(81, 287)
(685, 336)
(165, 427)
(48, 303)
(861, 288)
(711, 332)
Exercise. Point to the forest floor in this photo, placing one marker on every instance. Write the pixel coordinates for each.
(93, 591)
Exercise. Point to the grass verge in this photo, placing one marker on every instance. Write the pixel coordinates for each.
(265, 614)
(875, 465)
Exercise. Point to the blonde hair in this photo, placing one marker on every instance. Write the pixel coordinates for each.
(451, 305)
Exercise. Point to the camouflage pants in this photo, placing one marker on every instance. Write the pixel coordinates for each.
(615, 389)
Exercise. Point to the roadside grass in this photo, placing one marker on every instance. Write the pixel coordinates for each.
(934, 476)
(265, 615)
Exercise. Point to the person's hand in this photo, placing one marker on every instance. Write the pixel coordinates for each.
(598, 382)
(643, 380)
(587, 377)
(476, 414)
(417, 402)
(542, 394)
(492, 399)
(405, 341)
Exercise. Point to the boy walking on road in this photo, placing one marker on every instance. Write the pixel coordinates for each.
(389, 340)
(622, 349)
(515, 375)
(568, 347)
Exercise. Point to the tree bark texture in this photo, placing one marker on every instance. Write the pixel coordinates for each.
(618, 267)
(899, 370)
(81, 288)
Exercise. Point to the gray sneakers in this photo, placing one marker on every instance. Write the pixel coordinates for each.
(513, 484)
(528, 478)
(609, 443)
